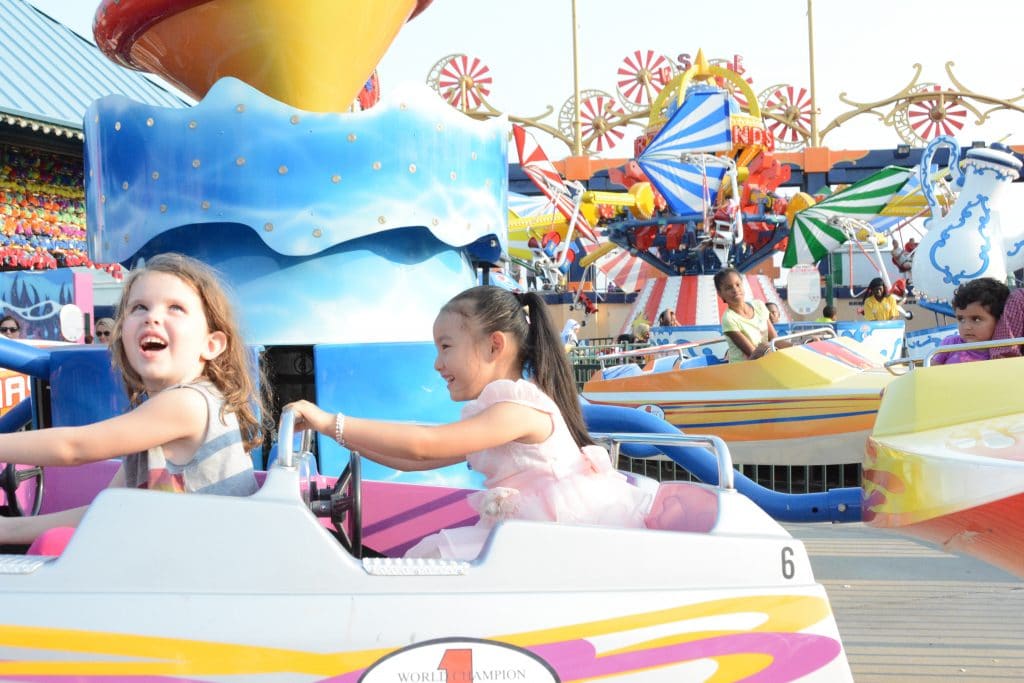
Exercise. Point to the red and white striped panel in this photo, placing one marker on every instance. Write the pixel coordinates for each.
(630, 273)
(694, 299)
(545, 176)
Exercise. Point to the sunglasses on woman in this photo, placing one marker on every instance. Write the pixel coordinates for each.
(9, 330)
(102, 334)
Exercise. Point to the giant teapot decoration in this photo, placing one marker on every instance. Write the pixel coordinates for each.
(981, 235)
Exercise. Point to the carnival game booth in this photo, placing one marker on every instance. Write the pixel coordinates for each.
(43, 261)
(51, 76)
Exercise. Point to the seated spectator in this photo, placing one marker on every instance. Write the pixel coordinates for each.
(667, 318)
(104, 328)
(774, 314)
(570, 333)
(10, 327)
(880, 304)
(978, 304)
(828, 314)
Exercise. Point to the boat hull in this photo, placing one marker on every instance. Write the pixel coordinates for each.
(801, 451)
(221, 588)
(992, 532)
(807, 405)
(945, 462)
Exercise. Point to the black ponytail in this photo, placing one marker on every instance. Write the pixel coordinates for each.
(549, 364)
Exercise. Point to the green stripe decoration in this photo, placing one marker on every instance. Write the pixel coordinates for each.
(812, 238)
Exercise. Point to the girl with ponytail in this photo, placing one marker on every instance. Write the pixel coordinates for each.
(521, 426)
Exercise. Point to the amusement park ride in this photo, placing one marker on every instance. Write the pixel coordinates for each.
(268, 180)
(695, 224)
(274, 180)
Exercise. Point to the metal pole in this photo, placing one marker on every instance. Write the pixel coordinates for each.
(577, 140)
(815, 142)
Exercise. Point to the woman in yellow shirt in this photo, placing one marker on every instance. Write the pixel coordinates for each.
(879, 304)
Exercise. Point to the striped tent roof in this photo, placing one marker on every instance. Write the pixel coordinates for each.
(629, 273)
(812, 237)
(694, 299)
(701, 124)
(545, 176)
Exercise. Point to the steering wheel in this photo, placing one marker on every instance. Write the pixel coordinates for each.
(344, 505)
(10, 479)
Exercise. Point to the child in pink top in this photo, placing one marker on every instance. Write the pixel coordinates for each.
(527, 436)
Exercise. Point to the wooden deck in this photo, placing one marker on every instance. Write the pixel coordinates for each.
(909, 612)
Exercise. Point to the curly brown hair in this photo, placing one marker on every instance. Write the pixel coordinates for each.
(232, 372)
(988, 292)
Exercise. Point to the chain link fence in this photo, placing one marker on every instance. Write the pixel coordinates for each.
(592, 355)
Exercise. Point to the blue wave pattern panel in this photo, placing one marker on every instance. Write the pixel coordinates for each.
(388, 382)
(383, 287)
(921, 342)
(701, 124)
(302, 181)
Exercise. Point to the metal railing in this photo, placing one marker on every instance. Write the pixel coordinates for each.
(615, 440)
(823, 332)
(663, 350)
(780, 478)
(912, 363)
(588, 359)
(972, 346)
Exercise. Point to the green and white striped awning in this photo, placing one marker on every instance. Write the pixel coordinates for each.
(812, 237)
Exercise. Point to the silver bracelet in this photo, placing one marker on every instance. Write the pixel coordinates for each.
(339, 429)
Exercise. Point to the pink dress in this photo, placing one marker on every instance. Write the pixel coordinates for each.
(554, 481)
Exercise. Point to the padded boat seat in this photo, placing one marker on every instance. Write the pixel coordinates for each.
(625, 370)
(51, 543)
(682, 506)
(701, 361)
(665, 363)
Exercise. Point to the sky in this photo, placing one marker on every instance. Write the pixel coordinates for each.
(866, 49)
